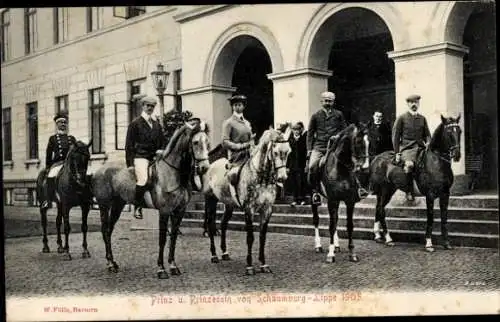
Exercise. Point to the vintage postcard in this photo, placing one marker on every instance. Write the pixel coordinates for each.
(250, 160)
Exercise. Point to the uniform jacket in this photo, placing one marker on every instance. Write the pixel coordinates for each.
(408, 131)
(57, 148)
(143, 141)
(297, 157)
(380, 137)
(322, 127)
(236, 131)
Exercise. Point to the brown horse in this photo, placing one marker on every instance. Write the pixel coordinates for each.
(344, 159)
(433, 176)
(71, 190)
(255, 192)
(170, 188)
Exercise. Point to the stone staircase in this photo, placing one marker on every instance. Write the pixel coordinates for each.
(473, 221)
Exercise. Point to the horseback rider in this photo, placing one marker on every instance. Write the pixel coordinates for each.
(410, 134)
(144, 140)
(57, 150)
(237, 137)
(324, 124)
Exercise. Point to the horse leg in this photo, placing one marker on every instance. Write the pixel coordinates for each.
(43, 214)
(85, 214)
(333, 206)
(386, 197)
(163, 224)
(228, 213)
(108, 221)
(59, 218)
(443, 205)
(249, 229)
(176, 223)
(378, 218)
(317, 239)
(430, 221)
(264, 222)
(206, 222)
(210, 225)
(67, 230)
(350, 227)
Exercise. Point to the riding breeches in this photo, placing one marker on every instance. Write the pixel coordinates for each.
(409, 155)
(314, 159)
(54, 170)
(141, 171)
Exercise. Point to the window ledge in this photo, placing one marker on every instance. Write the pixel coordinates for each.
(8, 164)
(29, 162)
(99, 156)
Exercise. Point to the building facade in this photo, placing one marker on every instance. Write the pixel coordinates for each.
(91, 61)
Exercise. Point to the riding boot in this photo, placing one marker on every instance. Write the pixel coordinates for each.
(139, 201)
(49, 193)
(410, 194)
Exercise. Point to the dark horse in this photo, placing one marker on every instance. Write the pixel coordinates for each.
(72, 190)
(170, 188)
(344, 159)
(432, 174)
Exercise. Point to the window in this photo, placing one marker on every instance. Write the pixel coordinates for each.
(30, 30)
(97, 119)
(135, 87)
(61, 16)
(8, 200)
(94, 18)
(62, 104)
(7, 134)
(177, 88)
(128, 12)
(32, 126)
(5, 35)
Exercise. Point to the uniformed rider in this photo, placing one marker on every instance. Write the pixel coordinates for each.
(237, 136)
(57, 150)
(324, 124)
(410, 133)
(144, 140)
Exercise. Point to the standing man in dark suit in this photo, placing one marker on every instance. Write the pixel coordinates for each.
(410, 134)
(57, 150)
(380, 135)
(144, 140)
(297, 162)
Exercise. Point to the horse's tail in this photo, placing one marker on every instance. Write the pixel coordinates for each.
(39, 184)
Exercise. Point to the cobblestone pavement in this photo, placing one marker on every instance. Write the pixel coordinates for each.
(296, 267)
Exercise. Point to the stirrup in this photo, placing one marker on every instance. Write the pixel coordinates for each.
(316, 198)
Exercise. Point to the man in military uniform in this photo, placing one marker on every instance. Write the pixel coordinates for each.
(410, 134)
(325, 123)
(144, 140)
(57, 149)
(237, 136)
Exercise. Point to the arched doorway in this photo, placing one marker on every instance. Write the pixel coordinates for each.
(353, 43)
(480, 97)
(243, 63)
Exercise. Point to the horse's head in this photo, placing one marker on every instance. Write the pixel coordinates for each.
(451, 136)
(360, 144)
(78, 160)
(200, 144)
(278, 150)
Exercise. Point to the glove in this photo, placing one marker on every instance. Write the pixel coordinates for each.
(398, 157)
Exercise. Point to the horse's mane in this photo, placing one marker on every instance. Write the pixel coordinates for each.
(437, 137)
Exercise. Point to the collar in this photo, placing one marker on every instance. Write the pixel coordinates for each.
(413, 113)
(239, 116)
(148, 117)
(379, 123)
(62, 132)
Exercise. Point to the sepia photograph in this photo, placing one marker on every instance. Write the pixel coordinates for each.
(267, 160)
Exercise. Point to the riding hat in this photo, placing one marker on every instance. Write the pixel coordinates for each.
(148, 100)
(237, 98)
(60, 116)
(413, 98)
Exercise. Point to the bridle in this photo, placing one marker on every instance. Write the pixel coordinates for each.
(197, 161)
(74, 174)
(447, 155)
(272, 170)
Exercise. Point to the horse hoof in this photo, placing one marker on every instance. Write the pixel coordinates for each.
(379, 240)
(447, 246)
(319, 249)
(113, 269)
(265, 269)
(214, 259)
(389, 243)
(225, 257)
(60, 249)
(162, 275)
(175, 271)
(330, 259)
(429, 249)
(46, 249)
(67, 257)
(217, 233)
(205, 234)
(354, 258)
(86, 254)
(250, 271)
(337, 249)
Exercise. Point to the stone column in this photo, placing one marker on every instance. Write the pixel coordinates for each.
(436, 73)
(210, 104)
(297, 93)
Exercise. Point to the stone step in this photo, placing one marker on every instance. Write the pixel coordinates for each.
(471, 201)
(490, 214)
(406, 236)
(360, 221)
